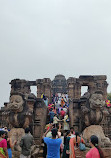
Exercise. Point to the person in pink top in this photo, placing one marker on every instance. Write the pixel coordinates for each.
(3, 145)
(95, 151)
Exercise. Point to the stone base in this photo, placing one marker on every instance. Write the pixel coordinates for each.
(104, 142)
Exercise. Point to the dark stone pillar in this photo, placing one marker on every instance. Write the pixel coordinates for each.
(39, 83)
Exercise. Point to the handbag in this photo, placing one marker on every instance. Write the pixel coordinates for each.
(82, 146)
(68, 152)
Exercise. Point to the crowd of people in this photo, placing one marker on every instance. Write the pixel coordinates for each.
(6, 144)
(58, 110)
(60, 141)
(67, 144)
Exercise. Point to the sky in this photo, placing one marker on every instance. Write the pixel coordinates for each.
(43, 38)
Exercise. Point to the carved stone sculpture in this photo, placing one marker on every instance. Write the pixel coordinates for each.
(94, 109)
(20, 110)
(19, 114)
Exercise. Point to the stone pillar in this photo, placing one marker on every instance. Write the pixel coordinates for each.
(40, 117)
(44, 87)
(74, 88)
(39, 83)
(105, 85)
(101, 84)
(47, 84)
(91, 87)
(77, 89)
(75, 115)
(71, 87)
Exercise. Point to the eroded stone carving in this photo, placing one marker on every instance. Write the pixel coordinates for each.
(98, 131)
(94, 109)
(20, 110)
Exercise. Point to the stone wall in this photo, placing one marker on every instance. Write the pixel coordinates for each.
(94, 83)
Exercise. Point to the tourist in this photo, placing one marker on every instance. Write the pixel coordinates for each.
(62, 102)
(26, 143)
(49, 107)
(95, 151)
(66, 122)
(66, 151)
(3, 145)
(10, 145)
(65, 108)
(62, 114)
(53, 144)
(62, 145)
(54, 110)
(59, 101)
(51, 114)
(74, 144)
(57, 107)
(49, 135)
(46, 101)
(72, 132)
(65, 99)
(55, 120)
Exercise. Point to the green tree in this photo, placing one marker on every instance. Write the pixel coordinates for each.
(109, 96)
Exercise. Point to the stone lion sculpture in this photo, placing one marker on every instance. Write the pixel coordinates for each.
(19, 114)
(94, 109)
(20, 110)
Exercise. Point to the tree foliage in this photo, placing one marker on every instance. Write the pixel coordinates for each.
(109, 96)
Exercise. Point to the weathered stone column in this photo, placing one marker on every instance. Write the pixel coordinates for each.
(101, 84)
(39, 83)
(71, 87)
(47, 84)
(77, 89)
(44, 87)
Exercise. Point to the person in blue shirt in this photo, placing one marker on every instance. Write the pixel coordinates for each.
(53, 144)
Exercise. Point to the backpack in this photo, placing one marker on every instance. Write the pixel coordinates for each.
(82, 146)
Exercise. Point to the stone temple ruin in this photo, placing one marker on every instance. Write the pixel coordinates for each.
(25, 109)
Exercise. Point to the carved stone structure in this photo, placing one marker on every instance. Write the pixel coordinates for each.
(44, 87)
(59, 84)
(90, 110)
(98, 131)
(24, 109)
(20, 110)
(94, 83)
